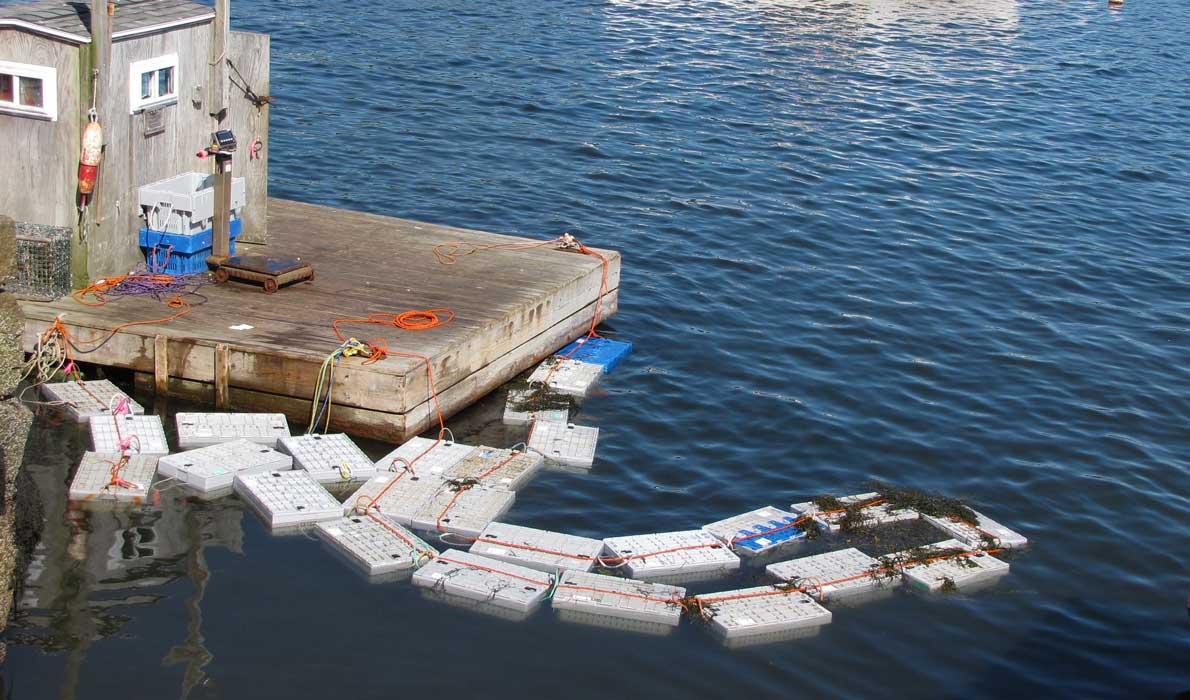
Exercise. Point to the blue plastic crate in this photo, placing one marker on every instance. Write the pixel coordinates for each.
(775, 530)
(597, 351)
(181, 254)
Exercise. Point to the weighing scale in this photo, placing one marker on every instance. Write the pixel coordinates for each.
(271, 271)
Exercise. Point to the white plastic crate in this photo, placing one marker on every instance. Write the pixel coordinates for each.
(466, 512)
(569, 377)
(971, 572)
(537, 549)
(842, 575)
(763, 611)
(565, 443)
(672, 556)
(329, 458)
(424, 456)
(757, 532)
(517, 398)
(497, 467)
(147, 430)
(375, 547)
(93, 478)
(285, 499)
(185, 203)
(96, 397)
(880, 514)
(974, 536)
(474, 577)
(400, 501)
(212, 468)
(611, 597)
(204, 429)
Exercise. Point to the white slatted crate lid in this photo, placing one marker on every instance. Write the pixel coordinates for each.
(467, 515)
(974, 536)
(212, 468)
(95, 397)
(204, 429)
(762, 611)
(618, 598)
(537, 549)
(147, 431)
(497, 467)
(571, 377)
(375, 547)
(834, 576)
(400, 501)
(880, 514)
(287, 498)
(93, 478)
(513, 415)
(564, 443)
(968, 573)
(329, 458)
(672, 555)
(474, 577)
(438, 460)
(757, 532)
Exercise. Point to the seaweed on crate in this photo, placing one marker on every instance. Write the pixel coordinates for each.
(925, 502)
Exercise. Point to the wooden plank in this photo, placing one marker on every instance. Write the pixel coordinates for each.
(217, 86)
(160, 364)
(249, 53)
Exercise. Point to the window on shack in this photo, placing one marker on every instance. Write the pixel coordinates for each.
(28, 90)
(153, 82)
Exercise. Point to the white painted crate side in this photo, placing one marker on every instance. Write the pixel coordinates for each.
(758, 531)
(873, 515)
(92, 480)
(473, 510)
(479, 578)
(329, 458)
(147, 429)
(968, 573)
(480, 607)
(373, 547)
(288, 498)
(816, 574)
(400, 502)
(515, 417)
(214, 467)
(438, 460)
(750, 613)
(572, 377)
(95, 400)
(614, 597)
(973, 536)
(697, 552)
(565, 443)
(522, 545)
(512, 475)
(204, 429)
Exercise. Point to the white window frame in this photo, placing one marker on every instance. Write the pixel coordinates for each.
(49, 90)
(139, 68)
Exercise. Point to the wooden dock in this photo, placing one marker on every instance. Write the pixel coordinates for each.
(513, 308)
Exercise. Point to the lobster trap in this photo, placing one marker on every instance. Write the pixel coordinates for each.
(43, 262)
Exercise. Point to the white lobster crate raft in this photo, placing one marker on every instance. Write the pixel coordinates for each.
(565, 443)
(610, 601)
(969, 572)
(212, 468)
(82, 400)
(876, 514)
(93, 479)
(463, 511)
(329, 458)
(376, 547)
(763, 612)
(424, 456)
(204, 429)
(672, 556)
(842, 575)
(396, 494)
(758, 532)
(144, 433)
(975, 535)
(515, 415)
(479, 578)
(537, 549)
(289, 498)
(505, 469)
(569, 377)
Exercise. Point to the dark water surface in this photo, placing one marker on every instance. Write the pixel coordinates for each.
(942, 243)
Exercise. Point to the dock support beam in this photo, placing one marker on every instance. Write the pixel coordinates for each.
(160, 365)
(222, 368)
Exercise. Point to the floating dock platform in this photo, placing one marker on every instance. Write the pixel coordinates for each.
(513, 308)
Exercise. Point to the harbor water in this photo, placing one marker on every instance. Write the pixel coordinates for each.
(942, 243)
